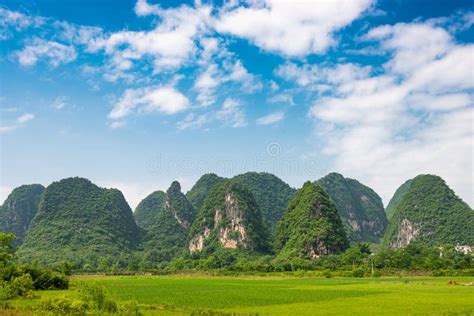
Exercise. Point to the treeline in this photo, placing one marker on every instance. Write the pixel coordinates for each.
(357, 261)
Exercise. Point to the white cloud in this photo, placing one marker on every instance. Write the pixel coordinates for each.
(55, 53)
(290, 28)
(162, 99)
(16, 20)
(60, 102)
(25, 118)
(193, 121)
(271, 118)
(232, 114)
(142, 8)
(415, 116)
(170, 44)
(19, 122)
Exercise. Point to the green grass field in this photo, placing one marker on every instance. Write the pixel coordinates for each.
(177, 295)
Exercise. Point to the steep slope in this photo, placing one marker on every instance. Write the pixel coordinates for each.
(430, 213)
(229, 218)
(78, 221)
(360, 208)
(147, 210)
(198, 192)
(397, 197)
(167, 236)
(19, 209)
(271, 194)
(311, 225)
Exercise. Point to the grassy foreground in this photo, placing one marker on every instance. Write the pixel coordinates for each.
(271, 295)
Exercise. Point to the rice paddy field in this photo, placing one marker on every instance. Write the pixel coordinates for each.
(271, 295)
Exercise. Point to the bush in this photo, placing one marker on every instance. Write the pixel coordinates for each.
(96, 296)
(327, 273)
(48, 280)
(358, 273)
(63, 305)
(129, 308)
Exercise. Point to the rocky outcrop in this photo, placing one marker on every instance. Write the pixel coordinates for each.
(229, 219)
(426, 211)
(406, 233)
(167, 236)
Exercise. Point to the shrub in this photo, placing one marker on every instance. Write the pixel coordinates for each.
(63, 305)
(327, 273)
(358, 273)
(96, 296)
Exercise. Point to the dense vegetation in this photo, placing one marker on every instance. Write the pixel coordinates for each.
(430, 213)
(147, 210)
(198, 192)
(311, 226)
(397, 197)
(271, 194)
(20, 280)
(82, 227)
(167, 236)
(79, 222)
(19, 209)
(231, 218)
(360, 208)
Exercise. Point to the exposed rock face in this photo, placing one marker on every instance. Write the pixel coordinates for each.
(19, 209)
(167, 236)
(427, 211)
(196, 244)
(230, 219)
(311, 226)
(360, 208)
(406, 233)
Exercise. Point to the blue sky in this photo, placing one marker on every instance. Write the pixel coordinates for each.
(135, 94)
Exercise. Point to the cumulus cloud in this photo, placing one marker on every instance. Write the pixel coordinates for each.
(271, 118)
(169, 45)
(161, 99)
(55, 53)
(290, 28)
(413, 117)
(14, 20)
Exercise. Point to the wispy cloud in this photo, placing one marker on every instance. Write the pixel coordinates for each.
(271, 118)
(19, 122)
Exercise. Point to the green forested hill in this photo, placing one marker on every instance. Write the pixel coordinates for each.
(397, 197)
(361, 209)
(229, 218)
(271, 194)
(430, 213)
(78, 221)
(19, 209)
(198, 192)
(311, 225)
(147, 210)
(167, 235)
